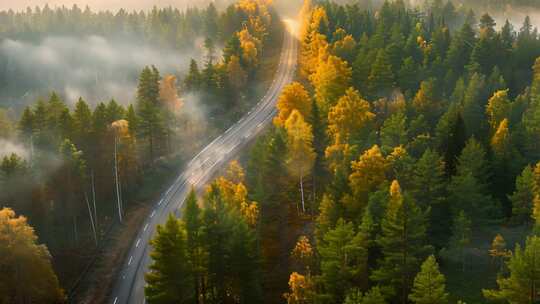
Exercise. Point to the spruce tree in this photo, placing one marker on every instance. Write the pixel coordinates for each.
(170, 279)
(429, 284)
(521, 286)
(523, 196)
(343, 260)
(403, 244)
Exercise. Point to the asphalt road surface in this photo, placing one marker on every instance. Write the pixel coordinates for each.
(129, 285)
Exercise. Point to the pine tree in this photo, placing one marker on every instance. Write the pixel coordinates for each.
(373, 296)
(150, 123)
(425, 102)
(522, 284)
(381, 78)
(196, 252)
(461, 235)
(523, 196)
(429, 191)
(429, 284)
(343, 260)
(170, 279)
(82, 124)
(192, 82)
(403, 244)
(394, 132)
(473, 106)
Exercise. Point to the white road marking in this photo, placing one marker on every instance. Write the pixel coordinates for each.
(115, 299)
(153, 213)
(138, 242)
(145, 227)
(130, 259)
(161, 201)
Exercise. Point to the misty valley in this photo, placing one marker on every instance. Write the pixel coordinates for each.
(270, 151)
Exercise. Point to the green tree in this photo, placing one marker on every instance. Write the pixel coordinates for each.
(149, 122)
(381, 78)
(461, 235)
(170, 278)
(429, 190)
(521, 286)
(523, 196)
(373, 296)
(394, 131)
(429, 284)
(343, 260)
(403, 244)
(196, 252)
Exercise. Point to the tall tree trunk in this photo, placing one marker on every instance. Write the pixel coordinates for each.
(116, 179)
(91, 217)
(302, 191)
(94, 201)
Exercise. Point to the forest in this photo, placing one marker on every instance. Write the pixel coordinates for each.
(72, 172)
(402, 165)
(399, 163)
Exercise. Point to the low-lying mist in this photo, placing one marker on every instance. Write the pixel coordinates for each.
(92, 67)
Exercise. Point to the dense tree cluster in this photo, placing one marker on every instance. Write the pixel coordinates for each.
(421, 125)
(101, 155)
(163, 26)
(210, 255)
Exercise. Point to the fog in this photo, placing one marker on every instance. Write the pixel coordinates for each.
(108, 4)
(8, 147)
(92, 67)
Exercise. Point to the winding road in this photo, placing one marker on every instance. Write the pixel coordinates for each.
(129, 285)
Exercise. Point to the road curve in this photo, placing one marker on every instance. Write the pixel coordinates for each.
(129, 285)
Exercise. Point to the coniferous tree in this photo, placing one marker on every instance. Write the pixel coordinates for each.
(403, 244)
(170, 279)
(343, 260)
(429, 284)
(521, 286)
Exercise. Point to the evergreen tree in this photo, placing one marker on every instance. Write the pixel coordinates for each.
(461, 235)
(403, 244)
(196, 252)
(429, 191)
(381, 78)
(429, 284)
(170, 279)
(343, 260)
(523, 196)
(521, 285)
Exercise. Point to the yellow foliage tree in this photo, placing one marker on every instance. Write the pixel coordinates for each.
(330, 80)
(344, 47)
(293, 97)
(367, 173)
(301, 289)
(500, 142)
(314, 51)
(349, 116)
(301, 155)
(303, 252)
(498, 108)
(27, 275)
(250, 47)
(168, 94)
(234, 192)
